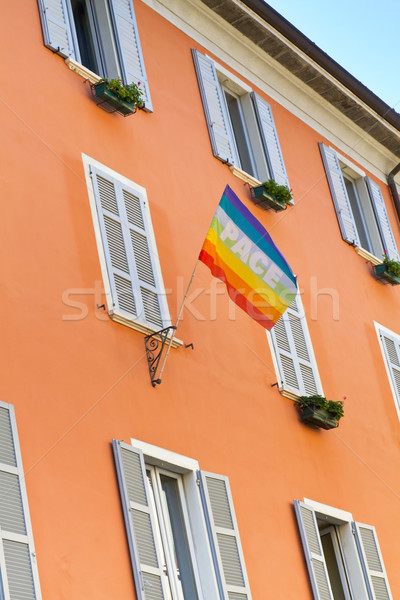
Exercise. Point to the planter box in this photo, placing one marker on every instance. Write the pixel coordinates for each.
(265, 200)
(318, 417)
(383, 275)
(110, 102)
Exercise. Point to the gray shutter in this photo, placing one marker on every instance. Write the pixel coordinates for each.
(224, 537)
(56, 26)
(340, 199)
(372, 562)
(127, 37)
(294, 353)
(140, 522)
(382, 219)
(217, 118)
(132, 261)
(391, 347)
(270, 140)
(314, 554)
(16, 540)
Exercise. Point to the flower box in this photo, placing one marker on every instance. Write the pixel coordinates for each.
(265, 200)
(110, 102)
(318, 417)
(382, 274)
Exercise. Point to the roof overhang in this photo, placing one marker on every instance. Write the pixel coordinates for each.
(275, 36)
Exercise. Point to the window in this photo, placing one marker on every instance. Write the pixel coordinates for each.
(359, 206)
(128, 253)
(102, 35)
(240, 123)
(18, 570)
(343, 557)
(293, 353)
(181, 526)
(390, 346)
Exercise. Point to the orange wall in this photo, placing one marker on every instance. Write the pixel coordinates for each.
(77, 384)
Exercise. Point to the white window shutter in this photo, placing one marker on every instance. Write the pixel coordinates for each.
(314, 554)
(57, 32)
(224, 537)
(127, 37)
(217, 119)
(294, 353)
(372, 562)
(270, 140)
(17, 553)
(340, 199)
(140, 522)
(391, 347)
(130, 254)
(382, 219)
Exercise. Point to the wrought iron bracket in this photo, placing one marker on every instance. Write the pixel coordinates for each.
(154, 345)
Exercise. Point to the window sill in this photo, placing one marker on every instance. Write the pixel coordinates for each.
(252, 181)
(368, 256)
(142, 327)
(82, 71)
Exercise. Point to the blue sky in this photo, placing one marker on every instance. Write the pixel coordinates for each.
(363, 36)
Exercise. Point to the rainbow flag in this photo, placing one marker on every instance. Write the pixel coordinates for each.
(240, 252)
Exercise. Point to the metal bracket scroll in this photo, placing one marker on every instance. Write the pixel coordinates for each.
(154, 345)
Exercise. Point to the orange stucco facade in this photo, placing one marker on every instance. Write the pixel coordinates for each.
(77, 379)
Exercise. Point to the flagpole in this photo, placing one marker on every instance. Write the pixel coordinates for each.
(177, 320)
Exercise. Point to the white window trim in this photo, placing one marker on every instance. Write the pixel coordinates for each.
(115, 315)
(348, 544)
(82, 71)
(378, 329)
(202, 560)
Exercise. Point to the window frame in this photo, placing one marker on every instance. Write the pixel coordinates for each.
(380, 331)
(212, 566)
(370, 200)
(286, 389)
(114, 313)
(353, 553)
(27, 538)
(265, 148)
(117, 29)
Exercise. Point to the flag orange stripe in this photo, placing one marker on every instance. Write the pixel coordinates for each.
(264, 320)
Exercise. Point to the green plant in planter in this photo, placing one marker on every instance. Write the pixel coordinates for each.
(392, 266)
(281, 192)
(129, 92)
(333, 407)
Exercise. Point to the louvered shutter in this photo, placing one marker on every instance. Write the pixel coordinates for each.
(17, 554)
(140, 522)
(294, 353)
(224, 537)
(391, 347)
(270, 140)
(127, 37)
(372, 562)
(312, 546)
(340, 199)
(382, 219)
(56, 26)
(217, 118)
(129, 251)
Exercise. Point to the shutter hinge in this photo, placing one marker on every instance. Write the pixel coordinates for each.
(198, 478)
(353, 529)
